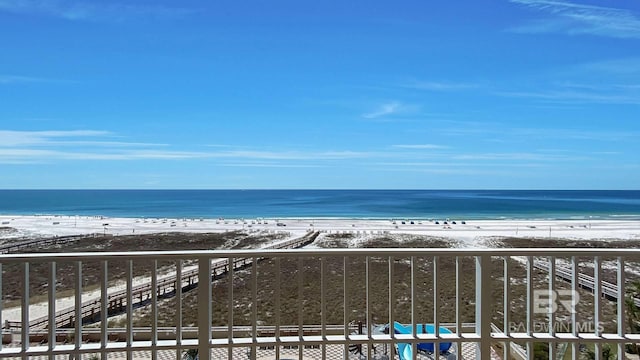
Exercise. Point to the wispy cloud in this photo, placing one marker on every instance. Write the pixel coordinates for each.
(42, 146)
(46, 146)
(607, 153)
(290, 155)
(383, 110)
(271, 165)
(103, 143)
(452, 164)
(622, 67)
(573, 19)
(446, 168)
(90, 11)
(438, 85)
(16, 138)
(502, 131)
(575, 96)
(19, 148)
(17, 79)
(390, 108)
(452, 167)
(519, 156)
(420, 146)
(613, 81)
(46, 155)
(599, 87)
(12, 138)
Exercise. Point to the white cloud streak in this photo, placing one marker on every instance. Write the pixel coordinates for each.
(450, 164)
(48, 146)
(614, 81)
(383, 110)
(9, 79)
(23, 154)
(290, 155)
(516, 156)
(574, 96)
(90, 11)
(622, 67)
(102, 143)
(574, 19)
(439, 86)
(17, 79)
(420, 146)
(271, 165)
(600, 87)
(505, 132)
(47, 155)
(445, 170)
(10, 138)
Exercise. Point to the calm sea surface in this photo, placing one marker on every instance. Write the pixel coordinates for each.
(470, 204)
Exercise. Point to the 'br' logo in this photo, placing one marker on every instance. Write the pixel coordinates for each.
(546, 302)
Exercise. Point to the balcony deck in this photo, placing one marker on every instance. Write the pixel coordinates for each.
(331, 352)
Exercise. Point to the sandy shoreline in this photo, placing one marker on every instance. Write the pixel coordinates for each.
(27, 226)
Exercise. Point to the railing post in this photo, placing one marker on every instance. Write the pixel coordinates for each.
(129, 309)
(622, 326)
(483, 306)
(179, 308)
(25, 309)
(1, 323)
(104, 308)
(78, 308)
(204, 308)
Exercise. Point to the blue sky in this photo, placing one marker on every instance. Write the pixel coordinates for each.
(521, 94)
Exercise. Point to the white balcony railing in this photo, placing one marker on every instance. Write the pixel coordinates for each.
(321, 303)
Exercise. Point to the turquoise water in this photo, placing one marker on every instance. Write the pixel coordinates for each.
(470, 204)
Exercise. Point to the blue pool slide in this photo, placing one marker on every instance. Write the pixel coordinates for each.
(406, 352)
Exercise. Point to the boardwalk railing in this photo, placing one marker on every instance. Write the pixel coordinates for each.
(28, 244)
(275, 302)
(585, 281)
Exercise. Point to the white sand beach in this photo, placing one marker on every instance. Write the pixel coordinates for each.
(46, 226)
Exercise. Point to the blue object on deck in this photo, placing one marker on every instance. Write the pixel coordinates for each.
(405, 351)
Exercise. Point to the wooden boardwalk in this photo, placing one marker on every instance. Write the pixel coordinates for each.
(28, 244)
(608, 290)
(141, 294)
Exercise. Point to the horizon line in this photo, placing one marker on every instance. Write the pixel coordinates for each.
(304, 189)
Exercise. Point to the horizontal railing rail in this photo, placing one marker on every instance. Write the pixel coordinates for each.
(277, 301)
(319, 252)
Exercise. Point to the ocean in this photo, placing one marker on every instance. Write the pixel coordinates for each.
(424, 204)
